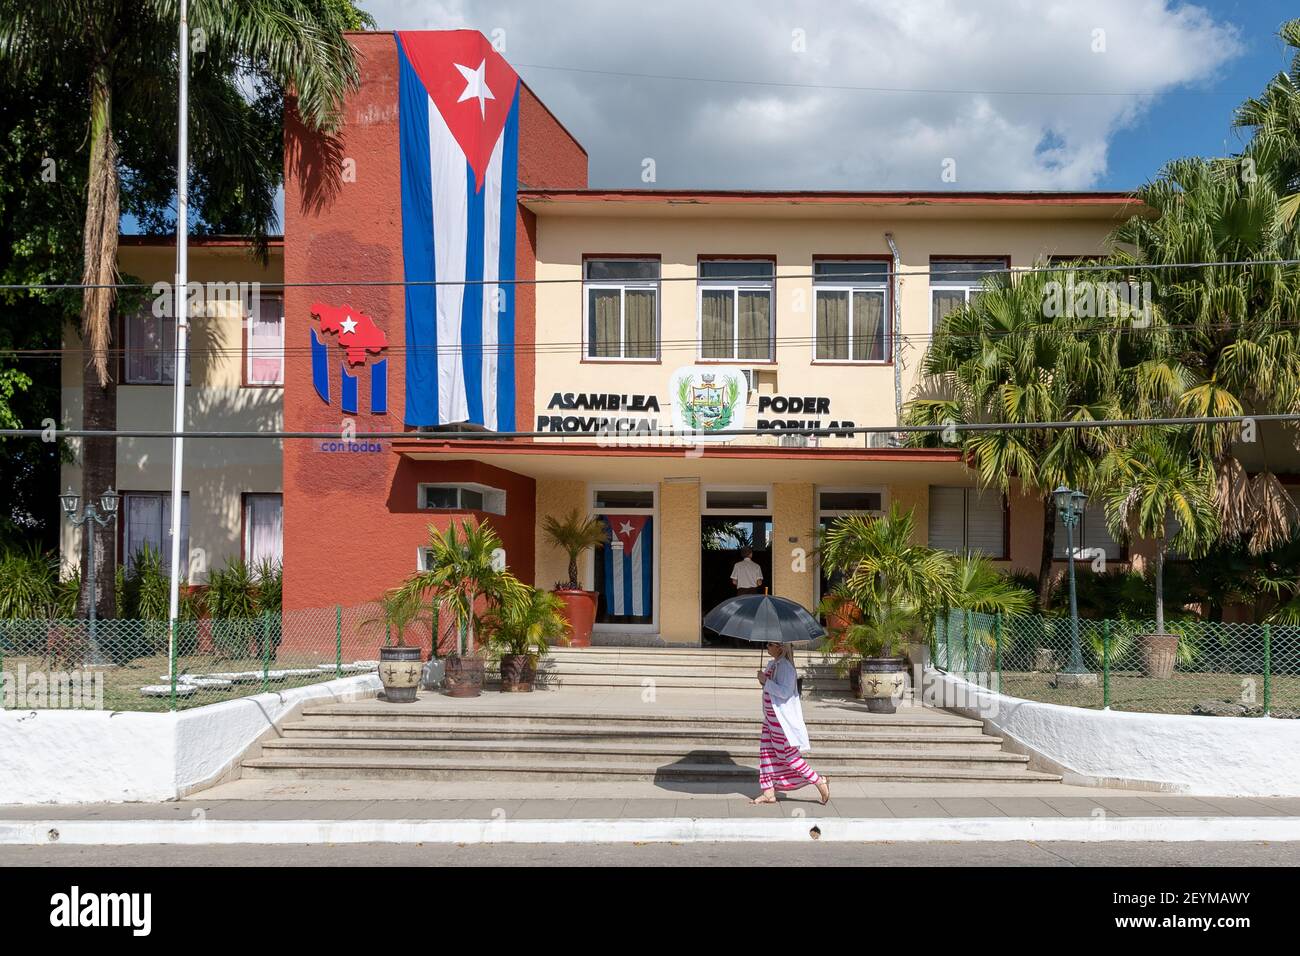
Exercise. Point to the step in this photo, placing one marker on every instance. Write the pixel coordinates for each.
(347, 727)
(702, 682)
(390, 767)
(919, 719)
(684, 668)
(650, 754)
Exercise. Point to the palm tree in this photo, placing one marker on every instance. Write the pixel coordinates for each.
(399, 609)
(529, 623)
(978, 586)
(573, 535)
(121, 55)
(1155, 477)
(463, 571)
(1003, 358)
(1274, 118)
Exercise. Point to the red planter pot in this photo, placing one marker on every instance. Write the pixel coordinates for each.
(580, 612)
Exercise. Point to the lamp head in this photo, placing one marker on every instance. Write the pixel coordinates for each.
(108, 501)
(1062, 497)
(70, 501)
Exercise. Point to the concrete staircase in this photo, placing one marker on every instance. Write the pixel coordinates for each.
(379, 741)
(714, 669)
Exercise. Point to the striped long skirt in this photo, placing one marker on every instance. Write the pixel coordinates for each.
(779, 764)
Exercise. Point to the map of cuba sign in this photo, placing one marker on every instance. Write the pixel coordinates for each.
(708, 399)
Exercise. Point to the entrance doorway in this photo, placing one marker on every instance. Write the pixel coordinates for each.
(721, 539)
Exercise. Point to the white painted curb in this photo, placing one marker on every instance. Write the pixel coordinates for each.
(661, 830)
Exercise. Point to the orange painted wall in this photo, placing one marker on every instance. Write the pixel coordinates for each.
(351, 526)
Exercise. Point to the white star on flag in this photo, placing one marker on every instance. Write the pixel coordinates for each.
(349, 324)
(625, 528)
(475, 86)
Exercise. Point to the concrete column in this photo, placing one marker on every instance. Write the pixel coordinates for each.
(557, 497)
(794, 540)
(679, 562)
(916, 499)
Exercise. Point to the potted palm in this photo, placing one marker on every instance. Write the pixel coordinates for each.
(520, 632)
(464, 577)
(875, 644)
(399, 662)
(575, 535)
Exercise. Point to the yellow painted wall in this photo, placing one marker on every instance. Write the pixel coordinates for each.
(679, 562)
(794, 515)
(861, 393)
(557, 498)
(217, 471)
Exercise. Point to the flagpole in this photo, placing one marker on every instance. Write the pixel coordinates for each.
(182, 328)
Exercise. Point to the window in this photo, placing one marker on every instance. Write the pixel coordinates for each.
(736, 309)
(264, 345)
(968, 520)
(851, 316)
(151, 349)
(623, 498)
(955, 282)
(850, 501)
(624, 574)
(1090, 534)
(263, 529)
(731, 500)
(622, 305)
(463, 497)
(147, 520)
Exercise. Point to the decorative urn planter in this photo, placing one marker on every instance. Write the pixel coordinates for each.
(580, 612)
(1159, 653)
(399, 669)
(517, 671)
(464, 676)
(882, 682)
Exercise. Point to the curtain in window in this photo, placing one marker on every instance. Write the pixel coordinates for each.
(603, 314)
(266, 341)
(716, 323)
(149, 520)
(639, 323)
(943, 302)
(264, 517)
(868, 326)
(143, 343)
(755, 325)
(832, 324)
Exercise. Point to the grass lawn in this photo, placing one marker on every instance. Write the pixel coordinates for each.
(1129, 690)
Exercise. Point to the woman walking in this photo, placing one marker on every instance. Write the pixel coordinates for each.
(785, 737)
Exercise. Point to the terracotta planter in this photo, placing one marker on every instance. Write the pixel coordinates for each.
(882, 683)
(399, 669)
(837, 622)
(580, 612)
(517, 672)
(464, 676)
(1159, 653)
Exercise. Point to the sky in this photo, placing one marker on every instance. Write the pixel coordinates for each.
(880, 94)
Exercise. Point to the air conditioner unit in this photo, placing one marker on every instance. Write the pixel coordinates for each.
(797, 441)
(883, 440)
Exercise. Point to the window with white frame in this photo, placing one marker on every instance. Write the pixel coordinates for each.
(621, 299)
(736, 309)
(150, 345)
(147, 520)
(465, 496)
(835, 502)
(1091, 537)
(851, 322)
(264, 345)
(736, 500)
(968, 520)
(263, 529)
(955, 282)
(624, 567)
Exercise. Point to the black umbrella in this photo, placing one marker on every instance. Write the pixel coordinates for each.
(763, 619)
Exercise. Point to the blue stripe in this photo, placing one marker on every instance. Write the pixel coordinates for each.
(471, 319)
(647, 540)
(320, 367)
(379, 388)
(609, 568)
(506, 271)
(417, 247)
(349, 392)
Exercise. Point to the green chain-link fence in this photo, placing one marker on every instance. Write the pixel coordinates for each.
(49, 663)
(1202, 668)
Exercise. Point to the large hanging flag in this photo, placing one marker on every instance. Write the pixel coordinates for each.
(629, 565)
(458, 115)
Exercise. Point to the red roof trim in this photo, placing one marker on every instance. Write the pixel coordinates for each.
(456, 446)
(233, 242)
(723, 196)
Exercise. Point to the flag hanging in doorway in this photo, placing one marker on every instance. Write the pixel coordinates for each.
(458, 119)
(629, 565)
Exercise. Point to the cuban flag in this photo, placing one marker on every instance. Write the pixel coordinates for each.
(629, 565)
(458, 117)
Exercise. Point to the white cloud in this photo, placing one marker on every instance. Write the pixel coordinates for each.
(809, 134)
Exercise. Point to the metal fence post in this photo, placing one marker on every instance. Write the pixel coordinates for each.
(968, 622)
(1105, 664)
(171, 666)
(266, 651)
(1268, 671)
(947, 658)
(997, 646)
(338, 640)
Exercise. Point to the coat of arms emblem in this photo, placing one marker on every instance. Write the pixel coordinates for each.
(706, 403)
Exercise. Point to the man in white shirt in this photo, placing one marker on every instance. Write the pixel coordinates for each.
(747, 576)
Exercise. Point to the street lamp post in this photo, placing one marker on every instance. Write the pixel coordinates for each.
(1069, 504)
(71, 507)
